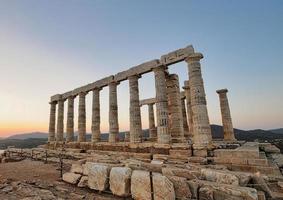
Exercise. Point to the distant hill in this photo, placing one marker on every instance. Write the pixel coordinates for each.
(279, 130)
(24, 136)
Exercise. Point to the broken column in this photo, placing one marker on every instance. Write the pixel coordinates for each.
(226, 116)
(135, 112)
(113, 113)
(185, 120)
(82, 118)
(163, 135)
(52, 118)
(70, 120)
(60, 121)
(176, 127)
(201, 127)
(189, 108)
(151, 122)
(95, 126)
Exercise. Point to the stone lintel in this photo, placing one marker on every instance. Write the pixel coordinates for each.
(176, 56)
(66, 95)
(55, 97)
(137, 70)
(222, 91)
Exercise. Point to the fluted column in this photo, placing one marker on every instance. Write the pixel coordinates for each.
(185, 120)
(113, 113)
(52, 118)
(163, 135)
(176, 127)
(70, 120)
(82, 118)
(189, 108)
(60, 121)
(135, 112)
(95, 127)
(226, 116)
(201, 127)
(151, 122)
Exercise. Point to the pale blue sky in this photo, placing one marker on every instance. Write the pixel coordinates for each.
(49, 47)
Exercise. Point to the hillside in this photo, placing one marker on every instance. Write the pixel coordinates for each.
(279, 130)
(28, 135)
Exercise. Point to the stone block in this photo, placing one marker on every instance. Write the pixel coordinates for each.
(176, 56)
(180, 154)
(72, 178)
(200, 160)
(185, 173)
(76, 168)
(120, 181)
(163, 188)
(206, 193)
(260, 195)
(83, 182)
(262, 162)
(181, 187)
(219, 176)
(98, 177)
(140, 185)
(200, 152)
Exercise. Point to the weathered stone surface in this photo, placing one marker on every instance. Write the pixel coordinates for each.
(140, 185)
(120, 181)
(83, 182)
(219, 176)
(185, 173)
(98, 177)
(206, 193)
(72, 178)
(76, 168)
(163, 188)
(181, 187)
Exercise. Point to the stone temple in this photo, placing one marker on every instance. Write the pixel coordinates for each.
(178, 159)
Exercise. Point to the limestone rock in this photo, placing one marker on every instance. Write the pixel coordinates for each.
(219, 176)
(206, 193)
(77, 168)
(72, 178)
(83, 182)
(120, 181)
(163, 188)
(181, 187)
(98, 177)
(140, 185)
(188, 174)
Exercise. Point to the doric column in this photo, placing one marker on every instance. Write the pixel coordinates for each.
(189, 108)
(185, 120)
(151, 122)
(176, 127)
(52, 118)
(70, 120)
(113, 113)
(163, 135)
(201, 127)
(60, 121)
(226, 116)
(135, 112)
(82, 118)
(95, 127)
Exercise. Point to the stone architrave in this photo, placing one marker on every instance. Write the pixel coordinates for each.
(189, 107)
(60, 121)
(52, 119)
(135, 112)
(163, 135)
(113, 113)
(82, 118)
(151, 122)
(176, 127)
(226, 116)
(95, 127)
(70, 120)
(185, 120)
(201, 127)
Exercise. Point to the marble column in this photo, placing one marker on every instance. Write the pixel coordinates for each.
(201, 127)
(163, 135)
(60, 121)
(70, 120)
(189, 108)
(113, 113)
(151, 122)
(176, 127)
(226, 116)
(95, 127)
(185, 120)
(135, 112)
(82, 118)
(52, 118)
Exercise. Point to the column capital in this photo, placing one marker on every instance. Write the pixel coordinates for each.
(186, 85)
(194, 57)
(113, 83)
(83, 93)
(136, 76)
(222, 91)
(97, 89)
(53, 102)
(159, 68)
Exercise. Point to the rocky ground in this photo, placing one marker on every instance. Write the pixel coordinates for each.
(39, 181)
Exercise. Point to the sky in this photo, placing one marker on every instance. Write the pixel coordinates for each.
(49, 47)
